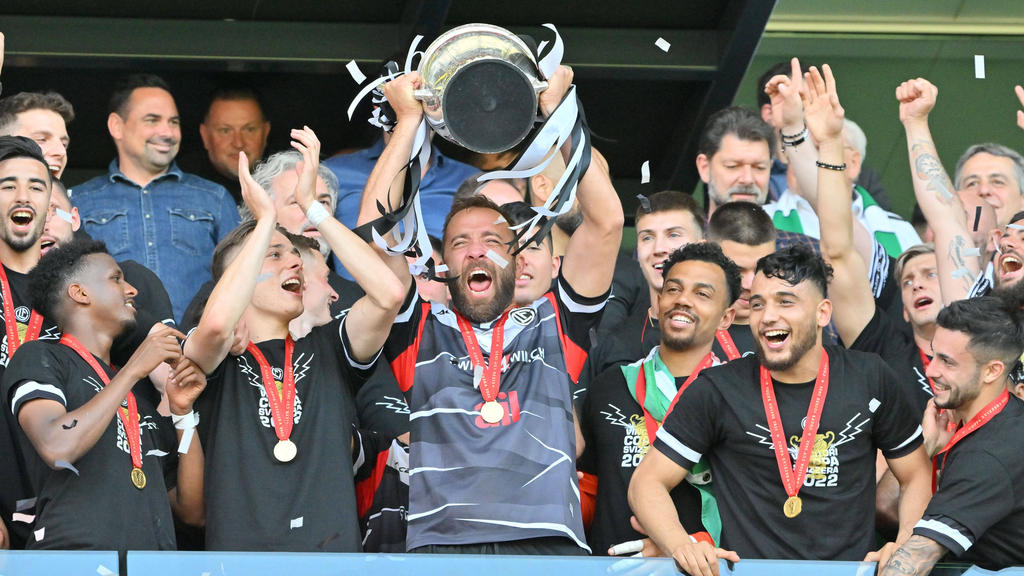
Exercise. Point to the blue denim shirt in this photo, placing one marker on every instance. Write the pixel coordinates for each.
(437, 187)
(171, 225)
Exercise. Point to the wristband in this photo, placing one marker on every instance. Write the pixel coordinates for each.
(801, 134)
(795, 140)
(185, 421)
(827, 166)
(316, 213)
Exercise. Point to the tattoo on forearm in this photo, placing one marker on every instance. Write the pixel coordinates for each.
(928, 168)
(956, 257)
(69, 426)
(917, 556)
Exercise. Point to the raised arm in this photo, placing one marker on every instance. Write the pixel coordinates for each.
(788, 116)
(369, 320)
(958, 260)
(387, 179)
(850, 289)
(212, 339)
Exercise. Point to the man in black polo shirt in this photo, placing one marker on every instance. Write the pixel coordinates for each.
(827, 408)
(624, 409)
(977, 514)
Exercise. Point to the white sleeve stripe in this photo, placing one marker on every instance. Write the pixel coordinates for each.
(576, 307)
(954, 535)
(351, 361)
(361, 459)
(406, 314)
(680, 448)
(908, 440)
(31, 386)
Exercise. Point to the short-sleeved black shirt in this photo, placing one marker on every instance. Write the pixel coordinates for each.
(254, 502)
(978, 511)
(616, 439)
(899, 350)
(99, 508)
(721, 415)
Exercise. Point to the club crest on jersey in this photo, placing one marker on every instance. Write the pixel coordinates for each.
(523, 316)
(22, 313)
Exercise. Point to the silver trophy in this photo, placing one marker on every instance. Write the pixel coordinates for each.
(480, 86)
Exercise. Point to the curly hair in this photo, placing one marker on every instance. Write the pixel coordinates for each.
(796, 264)
(49, 280)
(711, 253)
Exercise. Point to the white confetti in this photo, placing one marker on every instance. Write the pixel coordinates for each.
(355, 72)
(626, 548)
(22, 505)
(104, 571)
(960, 272)
(186, 440)
(157, 453)
(972, 252)
(296, 523)
(40, 534)
(22, 517)
(65, 465)
(645, 172)
(500, 220)
(979, 66)
(663, 44)
(440, 268)
(478, 375)
(497, 259)
(873, 405)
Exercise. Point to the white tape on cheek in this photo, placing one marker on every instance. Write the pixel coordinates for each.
(64, 215)
(497, 259)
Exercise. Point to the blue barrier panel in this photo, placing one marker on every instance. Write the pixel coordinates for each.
(57, 563)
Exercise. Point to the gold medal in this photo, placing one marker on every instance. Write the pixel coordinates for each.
(138, 478)
(285, 451)
(492, 412)
(792, 507)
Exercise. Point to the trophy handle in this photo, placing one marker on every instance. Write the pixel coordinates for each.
(539, 85)
(423, 94)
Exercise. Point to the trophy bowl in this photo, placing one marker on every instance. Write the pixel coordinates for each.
(480, 86)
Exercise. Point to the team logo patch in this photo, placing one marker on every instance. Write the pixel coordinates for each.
(523, 316)
(22, 314)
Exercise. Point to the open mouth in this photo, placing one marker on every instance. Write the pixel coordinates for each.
(130, 304)
(776, 338)
(293, 285)
(479, 280)
(22, 217)
(524, 279)
(922, 302)
(681, 318)
(659, 266)
(1009, 264)
(46, 243)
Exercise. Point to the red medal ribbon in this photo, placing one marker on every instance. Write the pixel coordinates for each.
(792, 478)
(282, 404)
(490, 383)
(35, 321)
(129, 418)
(641, 394)
(980, 419)
(924, 363)
(728, 346)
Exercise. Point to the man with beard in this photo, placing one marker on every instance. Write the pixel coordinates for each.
(976, 515)
(827, 408)
(626, 405)
(93, 436)
(492, 457)
(146, 209)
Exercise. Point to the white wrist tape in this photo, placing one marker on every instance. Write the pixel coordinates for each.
(316, 213)
(185, 421)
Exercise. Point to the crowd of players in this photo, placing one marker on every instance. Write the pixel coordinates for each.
(222, 363)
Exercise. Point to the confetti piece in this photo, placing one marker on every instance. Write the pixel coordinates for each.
(977, 217)
(296, 523)
(355, 72)
(64, 215)
(626, 548)
(645, 204)
(478, 375)
(663, 44)
(65, 465)
(40, 533)
(972, 252)
(26, 518)
(157, 453)
(497, 259)
(501, 220)
(22, 505)
(645, 172)
(440, 268)
(104, 571)
(1015, 226)
(263, 277)
(873, 405)
(960, 272)
(979, 66)
(186, 440)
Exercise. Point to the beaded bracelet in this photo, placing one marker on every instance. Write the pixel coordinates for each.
(827, 166)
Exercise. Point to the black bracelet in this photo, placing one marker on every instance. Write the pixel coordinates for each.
(801, 134)
(827, 166)
(793, 141)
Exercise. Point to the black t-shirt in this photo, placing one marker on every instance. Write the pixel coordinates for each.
(900, 352)
(254, 502)
(629, 294)
(978, 511)
(721, 415)
(616, 440)
(98, 508)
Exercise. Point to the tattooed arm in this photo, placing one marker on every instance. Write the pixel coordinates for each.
(917, 556)
(959, 262)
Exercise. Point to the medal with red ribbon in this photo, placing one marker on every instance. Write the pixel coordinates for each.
(128, 412)
(489, 380)
(980, 419)
(35, 321)
(728, 346)
(650, 423)
(924, 364)
(281, 400)
(792, 478)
